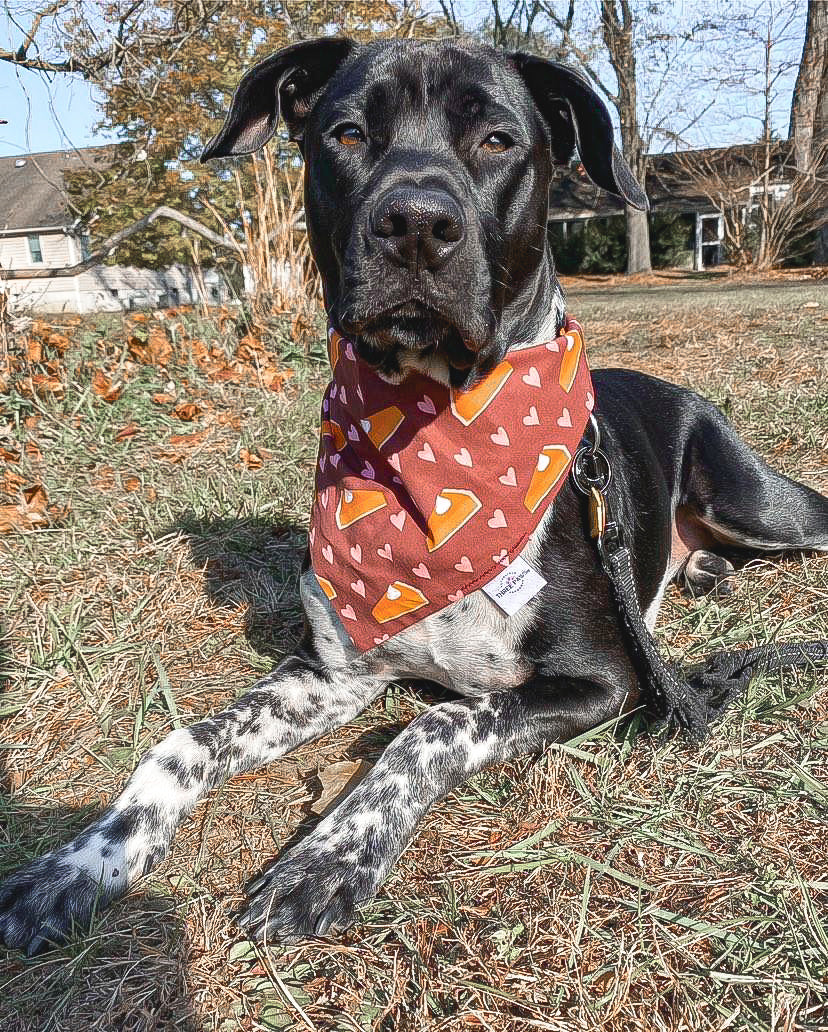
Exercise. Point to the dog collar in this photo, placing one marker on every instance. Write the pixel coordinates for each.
(424, 493)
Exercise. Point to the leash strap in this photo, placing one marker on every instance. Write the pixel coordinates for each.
(688, 700)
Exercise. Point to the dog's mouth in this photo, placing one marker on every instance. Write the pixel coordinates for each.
(410, 327)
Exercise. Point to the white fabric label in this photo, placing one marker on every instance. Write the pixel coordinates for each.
(513, 588)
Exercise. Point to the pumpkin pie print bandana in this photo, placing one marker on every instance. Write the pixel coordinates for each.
(424, 493)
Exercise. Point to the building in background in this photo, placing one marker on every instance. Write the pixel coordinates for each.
(38, 230)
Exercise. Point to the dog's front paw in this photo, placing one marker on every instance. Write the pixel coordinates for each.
(43, 901)
(316, 886)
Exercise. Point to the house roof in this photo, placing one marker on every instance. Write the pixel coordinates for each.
(32, 192)
(670, 183)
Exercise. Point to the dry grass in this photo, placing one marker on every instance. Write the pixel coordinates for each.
(614, 883)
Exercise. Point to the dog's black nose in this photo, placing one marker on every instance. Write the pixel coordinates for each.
(414, 226)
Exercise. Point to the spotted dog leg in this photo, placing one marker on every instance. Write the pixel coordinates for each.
(318, 883)
(41, 902)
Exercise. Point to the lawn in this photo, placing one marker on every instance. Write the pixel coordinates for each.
(148, 575)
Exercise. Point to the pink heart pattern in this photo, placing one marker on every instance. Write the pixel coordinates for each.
(469, 477)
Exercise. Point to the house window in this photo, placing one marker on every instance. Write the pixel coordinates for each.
(35, 252)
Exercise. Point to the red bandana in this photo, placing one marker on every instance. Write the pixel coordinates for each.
(425, 493)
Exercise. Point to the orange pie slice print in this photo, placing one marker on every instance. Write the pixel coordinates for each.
(571, 358)
(382, 425)
(553, 462)
(356, 505)
(332, 429)
(399, 599)
(453, 508)
(467, 405)
(327, 587)
(333, 349)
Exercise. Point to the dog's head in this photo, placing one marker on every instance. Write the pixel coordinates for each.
(427, 175)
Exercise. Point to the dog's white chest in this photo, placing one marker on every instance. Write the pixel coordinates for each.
(470, 647)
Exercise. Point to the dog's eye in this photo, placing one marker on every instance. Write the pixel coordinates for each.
(350, 135)
(496, 143)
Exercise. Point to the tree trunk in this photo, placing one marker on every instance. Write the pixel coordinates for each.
(811, 89)
(617, 32)
(638, 242)
(809, 108)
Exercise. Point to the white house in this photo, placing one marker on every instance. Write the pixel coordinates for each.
(38, 230)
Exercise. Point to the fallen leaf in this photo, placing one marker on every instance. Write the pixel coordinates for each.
(198, 352)
(274, 379)
(11, 482)
(248, 348)
(155, 350)
(28, 514)
(33, 451)
(131, 483)
(251, 459)
(105, 388)
(58, 341)
(186, 411)
(41, 386)
(187, 439)
(338, 781)
(34, 350)
(7, 455)
(163, 399)
(130, 430)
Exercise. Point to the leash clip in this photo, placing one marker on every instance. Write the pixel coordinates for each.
(591, 474)
(591, 470)
(597, 513)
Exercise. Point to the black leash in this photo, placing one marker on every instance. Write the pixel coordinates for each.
(693, 698)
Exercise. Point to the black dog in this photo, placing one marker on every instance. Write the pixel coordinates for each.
(428, 168)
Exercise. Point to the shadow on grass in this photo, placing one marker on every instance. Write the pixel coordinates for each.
(127, 971)
(254, 563)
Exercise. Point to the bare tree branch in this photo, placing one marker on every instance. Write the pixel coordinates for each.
(112, 242)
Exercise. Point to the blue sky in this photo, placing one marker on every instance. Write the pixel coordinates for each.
(44, 114)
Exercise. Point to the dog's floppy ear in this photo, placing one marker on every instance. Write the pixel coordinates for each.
(578, 118)
(288, 83)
